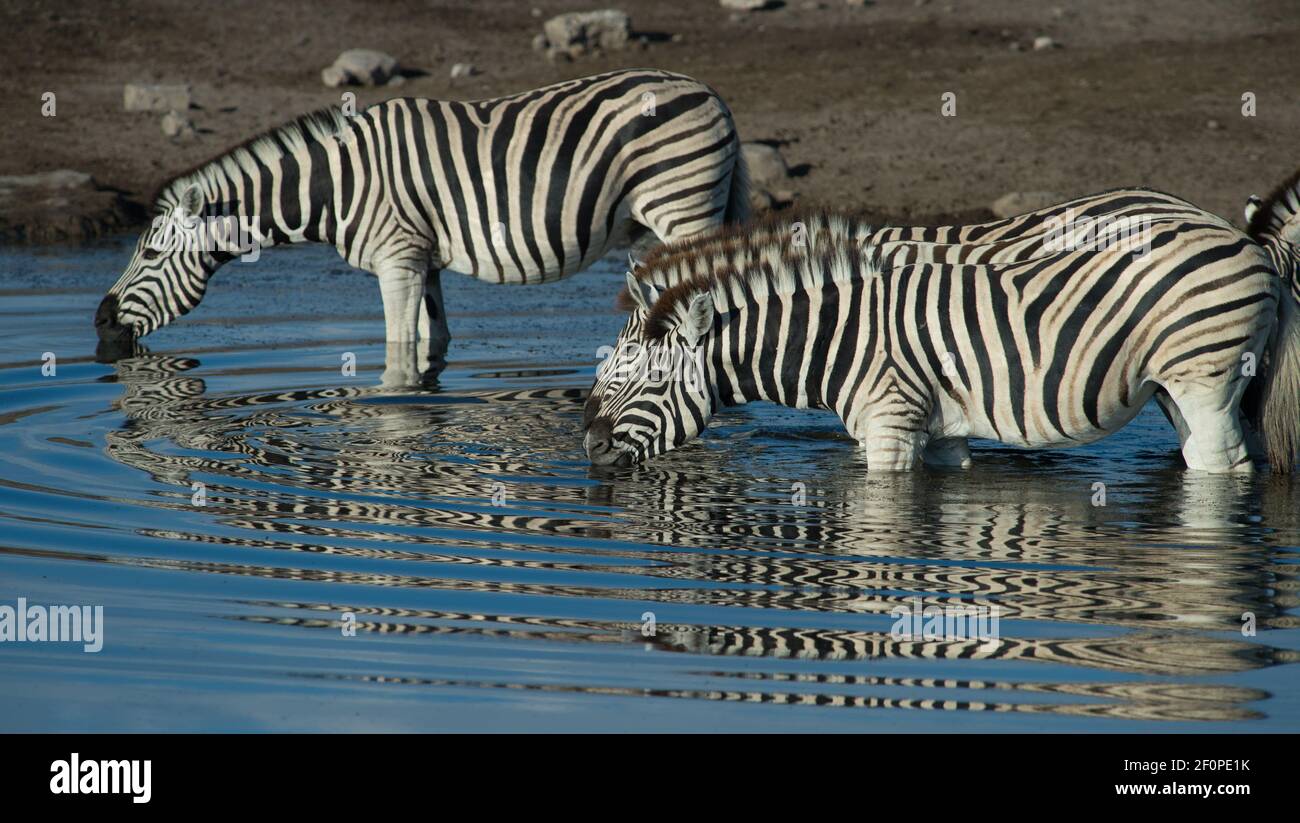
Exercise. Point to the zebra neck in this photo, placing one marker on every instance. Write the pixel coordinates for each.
(290, 201)
(771, 347)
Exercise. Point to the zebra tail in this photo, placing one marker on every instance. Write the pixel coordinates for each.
(1274, 222)
(1279, 399)
(738, 195)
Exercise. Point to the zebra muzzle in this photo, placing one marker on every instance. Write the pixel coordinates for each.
(106, 324)
(600, 445)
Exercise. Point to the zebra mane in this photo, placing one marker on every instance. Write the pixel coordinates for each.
(265, 147)
(730, 237)
(1277, 211)
(731, 248)
(760, 259)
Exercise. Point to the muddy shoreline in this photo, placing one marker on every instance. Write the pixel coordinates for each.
(1129, 94)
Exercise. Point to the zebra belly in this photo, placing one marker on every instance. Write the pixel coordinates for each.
(520, 268)
(1069, 427)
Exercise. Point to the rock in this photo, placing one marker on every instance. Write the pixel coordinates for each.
(769, 176)
(1213, 125)
(743, 5)
(1043, 43)
(578, 33)
(145, 97)
(463, 70)
(360, 67)
(60, 180)
(177, 126)
(767, 168)
(1019, 202)
(59, 207)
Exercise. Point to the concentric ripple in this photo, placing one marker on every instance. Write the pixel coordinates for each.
(280, 544)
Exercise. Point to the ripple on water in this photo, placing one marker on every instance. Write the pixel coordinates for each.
(494, 579)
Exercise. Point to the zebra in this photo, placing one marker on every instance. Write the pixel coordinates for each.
(528, 188)
(1050, 351)
(1104, 218)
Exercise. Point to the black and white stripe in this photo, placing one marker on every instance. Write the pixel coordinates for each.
(522, 189)
(1047, 349)
(1098, 220)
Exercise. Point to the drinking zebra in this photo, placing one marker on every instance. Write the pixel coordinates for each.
(1119, 216)
(1055, 350)
(528, 188)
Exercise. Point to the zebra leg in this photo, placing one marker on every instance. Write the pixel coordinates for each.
(1173, 415)
(402, 289)
(401, 366)
(892, 444)
(1167, 405)
(1215, 440)
(434, 334)
(953, 452)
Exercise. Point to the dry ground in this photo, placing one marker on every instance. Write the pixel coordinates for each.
(853, 94)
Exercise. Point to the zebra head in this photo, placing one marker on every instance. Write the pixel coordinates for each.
(635, 304)
(167, 274)
(652, 393)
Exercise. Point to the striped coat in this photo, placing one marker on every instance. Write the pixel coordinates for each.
(528, 188)
(1054, 349)
(1106, 218)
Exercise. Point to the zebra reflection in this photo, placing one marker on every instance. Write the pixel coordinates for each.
(363, 488)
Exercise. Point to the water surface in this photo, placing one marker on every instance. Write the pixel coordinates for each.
(496, 581)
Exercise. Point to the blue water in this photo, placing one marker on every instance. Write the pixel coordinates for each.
(495, 581)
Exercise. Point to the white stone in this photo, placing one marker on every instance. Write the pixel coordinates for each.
(769, 176)
(580, 32)
(1019, 202)
(767, 168)
(360, 67)
(61, 179)
(175, 124)
(145, 97)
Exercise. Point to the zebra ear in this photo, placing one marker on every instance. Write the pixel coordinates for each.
(699, 318)
(1252, 205)
(191, 203)
(643, 295)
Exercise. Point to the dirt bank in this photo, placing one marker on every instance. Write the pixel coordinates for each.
(1134, 93)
